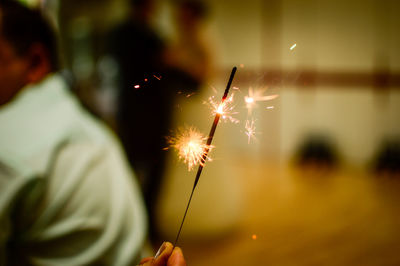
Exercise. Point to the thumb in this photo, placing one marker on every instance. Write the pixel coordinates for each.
(176, 258)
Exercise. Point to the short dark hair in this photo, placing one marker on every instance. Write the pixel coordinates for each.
(139, 3)
(198, 8)
(23, 27)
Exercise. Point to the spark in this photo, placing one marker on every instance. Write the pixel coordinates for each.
(137, 86)
(250, 130)
(293, 46)
(190, 145)
(254, 237)
(249, 100)
(145, 80)
(159, 78)
(257, 96)
(225, 109)
(270, 107)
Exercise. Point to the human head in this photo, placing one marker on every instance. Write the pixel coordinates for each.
(143, 9)
(192, 11)
(28, 50)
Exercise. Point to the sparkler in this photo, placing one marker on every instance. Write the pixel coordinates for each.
(257, 96)
(207, 148)
(190, 146)
(250, 130)
(225, 109)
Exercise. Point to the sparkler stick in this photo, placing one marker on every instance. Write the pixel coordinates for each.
(207, 149)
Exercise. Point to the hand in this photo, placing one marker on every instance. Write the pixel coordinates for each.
(167, 255)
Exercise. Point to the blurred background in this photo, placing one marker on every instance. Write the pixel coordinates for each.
(318, 182)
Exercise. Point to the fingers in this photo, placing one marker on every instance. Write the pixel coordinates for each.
(161, 257)
(176, 258)
(167, 255)
(143, 261)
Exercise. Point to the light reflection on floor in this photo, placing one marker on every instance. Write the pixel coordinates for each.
(305, 217)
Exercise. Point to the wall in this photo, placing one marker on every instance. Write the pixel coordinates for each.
(347, 39)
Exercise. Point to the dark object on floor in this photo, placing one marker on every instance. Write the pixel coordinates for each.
(387, 159)
(317, 151)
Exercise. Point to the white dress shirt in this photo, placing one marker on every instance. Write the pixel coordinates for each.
(67, 194)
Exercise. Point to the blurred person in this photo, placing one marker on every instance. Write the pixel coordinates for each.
(142, 102)
(148, 87)
(190, 54)
(67, 195)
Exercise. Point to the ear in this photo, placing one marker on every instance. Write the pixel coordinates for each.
(39, 63)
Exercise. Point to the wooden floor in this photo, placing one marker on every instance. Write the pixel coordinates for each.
(296, 216)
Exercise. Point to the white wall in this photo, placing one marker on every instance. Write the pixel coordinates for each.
(358, 36)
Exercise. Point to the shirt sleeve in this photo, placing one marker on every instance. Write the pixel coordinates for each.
(90, 211)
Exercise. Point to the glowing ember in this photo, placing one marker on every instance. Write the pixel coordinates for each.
(225, 109)
(254, 237)
(257, 96)
(220, 109)
(190, 145)
(293, 46)
(137, 86)
(250, 130)
(249, 99)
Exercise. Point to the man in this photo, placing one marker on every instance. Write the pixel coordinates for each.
(67, 195)
(144, 112)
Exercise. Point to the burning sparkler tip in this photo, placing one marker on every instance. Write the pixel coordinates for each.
(189, 143)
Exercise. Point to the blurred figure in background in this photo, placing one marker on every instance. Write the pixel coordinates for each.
(67, 195)
(143, 103)
(151, 77)
(189, 55)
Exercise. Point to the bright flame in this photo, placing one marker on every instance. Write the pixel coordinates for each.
(224, 109)
(248, 100)
(257, 96)
(250, 130)
(220, 109)
(190, 145)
